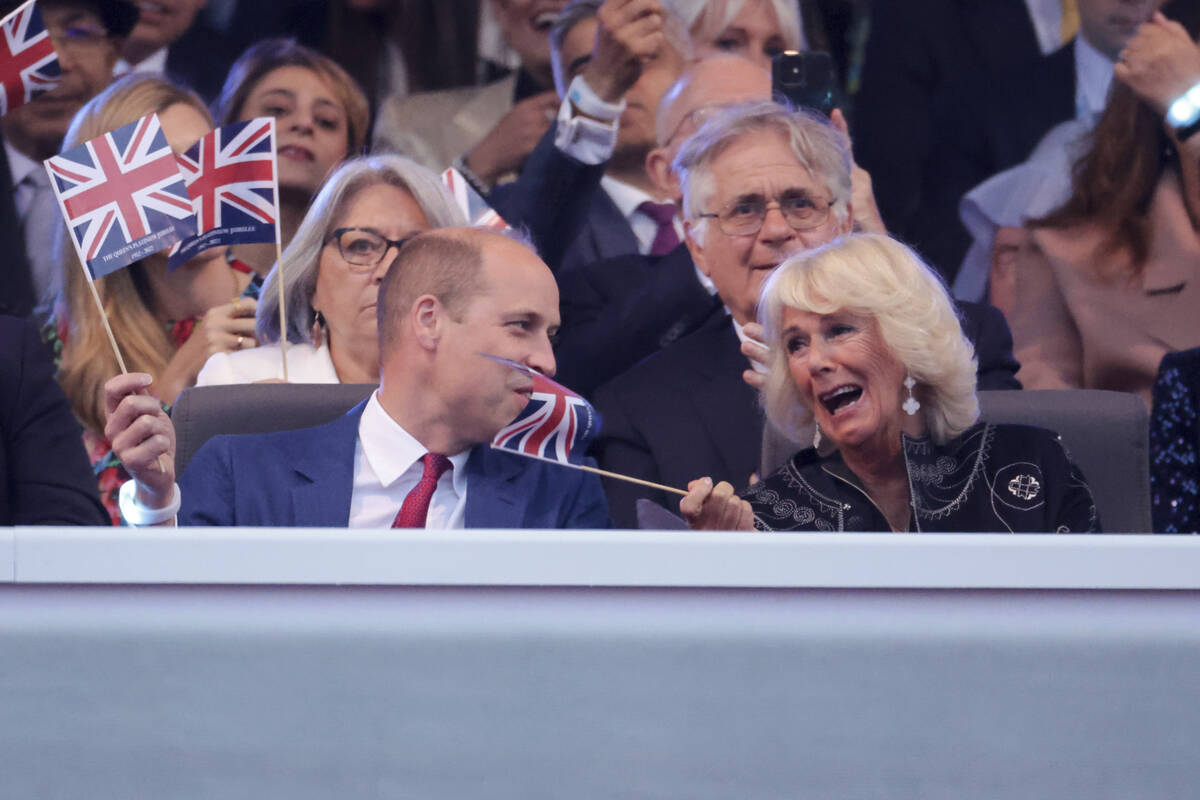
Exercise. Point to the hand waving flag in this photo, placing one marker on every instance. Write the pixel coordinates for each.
(122, 196)
(556, 425)
(230, 176)
(28, 64)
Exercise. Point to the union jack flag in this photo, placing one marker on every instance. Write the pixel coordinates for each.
(230, 176)
(473, 206)
(28, 63)
(122, 196)
(556, 425)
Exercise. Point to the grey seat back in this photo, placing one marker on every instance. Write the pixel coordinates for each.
(205, 411)
(1106, 433)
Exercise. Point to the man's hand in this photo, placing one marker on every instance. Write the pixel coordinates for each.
(715, 508)
(757, 352)
(142, 437)
(862, 195)
(1160, 62)
(508, 144)
(229, 327)
(629, 33)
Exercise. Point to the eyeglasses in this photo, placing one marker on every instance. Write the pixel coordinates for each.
(744, 216)
(363, 247)
(80, 35)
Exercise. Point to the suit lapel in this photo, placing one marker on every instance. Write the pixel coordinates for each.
(493, 498)
(727, 406)
(323, 461)
(610, 231)
(1170, 293)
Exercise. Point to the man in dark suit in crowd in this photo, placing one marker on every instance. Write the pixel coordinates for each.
(620, 310)
(416, 453)
(687, 411)
(985, 124)
(583, 192)
(87, 35)
(44, 474)
(172, 38)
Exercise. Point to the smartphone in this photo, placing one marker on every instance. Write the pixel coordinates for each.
(804, 79)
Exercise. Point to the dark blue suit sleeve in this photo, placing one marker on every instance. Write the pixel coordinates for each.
(207, 487)
(984, 325)
(550, 199)
(47, 479)
(615, 315)
(588, 507)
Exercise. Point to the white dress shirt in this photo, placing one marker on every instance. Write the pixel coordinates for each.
(387, 465)
(1093, 76)
(1046, 16)
(155, 62)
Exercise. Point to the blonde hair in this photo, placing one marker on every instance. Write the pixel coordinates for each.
(87, 356)
(878, 277)
(707, 19)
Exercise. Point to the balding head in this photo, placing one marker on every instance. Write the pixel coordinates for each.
(451, 298)
(704, 87)
(712, 82)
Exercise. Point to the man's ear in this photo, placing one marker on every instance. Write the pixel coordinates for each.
(847, 226)
(662, 177)
(693, 232)
(427, 321)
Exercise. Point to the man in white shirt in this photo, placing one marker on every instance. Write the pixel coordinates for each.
(87, 36)
(416, 454)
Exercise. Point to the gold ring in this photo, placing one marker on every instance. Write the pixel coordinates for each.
(240, 339)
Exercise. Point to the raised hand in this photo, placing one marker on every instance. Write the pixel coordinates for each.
(142, 436)
(629, 33)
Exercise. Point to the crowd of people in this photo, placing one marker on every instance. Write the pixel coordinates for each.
(687, 251)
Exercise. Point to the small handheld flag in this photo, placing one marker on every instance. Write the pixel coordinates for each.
(557, 424)
(473, 206)
(122, 196)
(230, 175)
(28, 64)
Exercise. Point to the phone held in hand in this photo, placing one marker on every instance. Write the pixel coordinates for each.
(804, 80)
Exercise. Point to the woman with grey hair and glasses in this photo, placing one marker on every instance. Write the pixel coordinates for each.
(332, 269)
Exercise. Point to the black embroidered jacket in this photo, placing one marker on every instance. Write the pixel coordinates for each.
(991, 479)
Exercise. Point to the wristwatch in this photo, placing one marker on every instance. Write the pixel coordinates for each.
(1183, 115)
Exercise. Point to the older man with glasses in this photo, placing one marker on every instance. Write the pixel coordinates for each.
(759, 183)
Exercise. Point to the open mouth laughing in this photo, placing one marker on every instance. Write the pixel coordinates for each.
(841, 398)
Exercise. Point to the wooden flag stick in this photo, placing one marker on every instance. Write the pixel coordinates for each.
(283, 331)
(598, 471)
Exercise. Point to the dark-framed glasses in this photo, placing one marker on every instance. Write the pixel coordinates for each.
(363, 247)
(744, 216)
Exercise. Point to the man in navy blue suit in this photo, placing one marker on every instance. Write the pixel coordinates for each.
(450, 296)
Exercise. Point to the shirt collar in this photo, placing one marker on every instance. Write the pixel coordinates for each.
(155, 62)
(391, 451)
(19, 164)
(1093, 75)
(625, 197)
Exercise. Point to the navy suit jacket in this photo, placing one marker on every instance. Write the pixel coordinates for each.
(16, 280)
(569, 216)
(619, 311)
(686, 412)
(984, 125)
(304, 478)
(915, 53)
(45, 478)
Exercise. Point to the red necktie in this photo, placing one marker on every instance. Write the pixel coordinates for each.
(416, 504)
(663, 215)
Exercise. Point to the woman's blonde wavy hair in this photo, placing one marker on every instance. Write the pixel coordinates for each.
(878, 277)
(87, 356)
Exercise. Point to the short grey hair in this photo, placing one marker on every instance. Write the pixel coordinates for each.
(710, 17)
(302, 258)
(881, 278)
(820, 148)
(576, 11)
